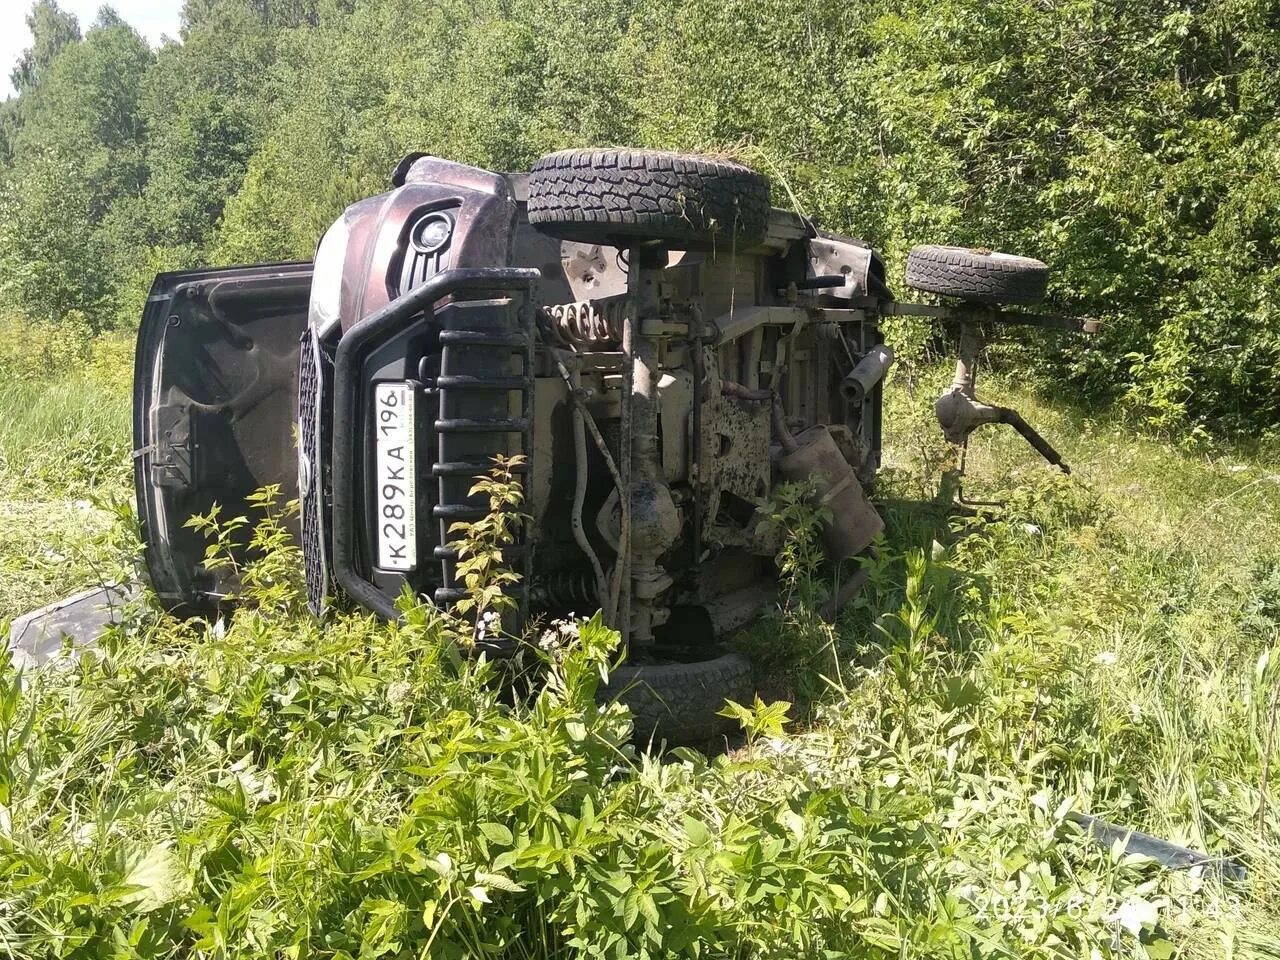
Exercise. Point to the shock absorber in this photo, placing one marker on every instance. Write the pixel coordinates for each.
(654, 519)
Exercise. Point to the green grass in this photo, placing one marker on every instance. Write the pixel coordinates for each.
(1105, 643)
(1144, 593)
(64, 459)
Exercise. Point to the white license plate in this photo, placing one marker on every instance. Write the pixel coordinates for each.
(393, 417)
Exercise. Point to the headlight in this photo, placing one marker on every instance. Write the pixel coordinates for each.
(326, 278)
(432, 232)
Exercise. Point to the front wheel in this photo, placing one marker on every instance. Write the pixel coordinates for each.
(680, 702)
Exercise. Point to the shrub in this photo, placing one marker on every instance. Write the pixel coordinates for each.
(263, 785)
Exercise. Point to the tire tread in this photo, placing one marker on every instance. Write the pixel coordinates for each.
(680, 702)
(610, 196)
(975, 276)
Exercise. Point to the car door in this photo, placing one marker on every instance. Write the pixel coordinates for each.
(214, 408)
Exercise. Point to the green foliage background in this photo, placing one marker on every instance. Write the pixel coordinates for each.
(1132, 145)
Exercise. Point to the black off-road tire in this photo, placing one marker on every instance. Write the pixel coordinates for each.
(616, 197)
(978, 276)
(678, 702)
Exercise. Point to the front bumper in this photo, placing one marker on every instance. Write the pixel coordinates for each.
(489, 314)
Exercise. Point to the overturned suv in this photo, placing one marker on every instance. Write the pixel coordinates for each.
(660, 344)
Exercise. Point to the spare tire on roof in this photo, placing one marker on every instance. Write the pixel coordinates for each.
(619, 197)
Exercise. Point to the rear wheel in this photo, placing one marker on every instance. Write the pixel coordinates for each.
(978, 276)
(618, 197)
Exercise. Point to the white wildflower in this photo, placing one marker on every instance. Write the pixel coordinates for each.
(562, 633)
(490, 625)
(1106, 658)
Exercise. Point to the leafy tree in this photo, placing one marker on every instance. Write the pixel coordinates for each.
(77, 173)
(254, 231)
(205, 114)
(52, 29)
(1131, 147)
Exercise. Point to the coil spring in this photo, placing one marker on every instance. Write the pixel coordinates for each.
(568, 589)
(586, 323)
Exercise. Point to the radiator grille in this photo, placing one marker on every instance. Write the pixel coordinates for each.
(312, 442)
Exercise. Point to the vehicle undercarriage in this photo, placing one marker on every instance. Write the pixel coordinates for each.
(658, 344)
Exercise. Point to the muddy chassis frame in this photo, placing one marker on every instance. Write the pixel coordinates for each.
(645, 503)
